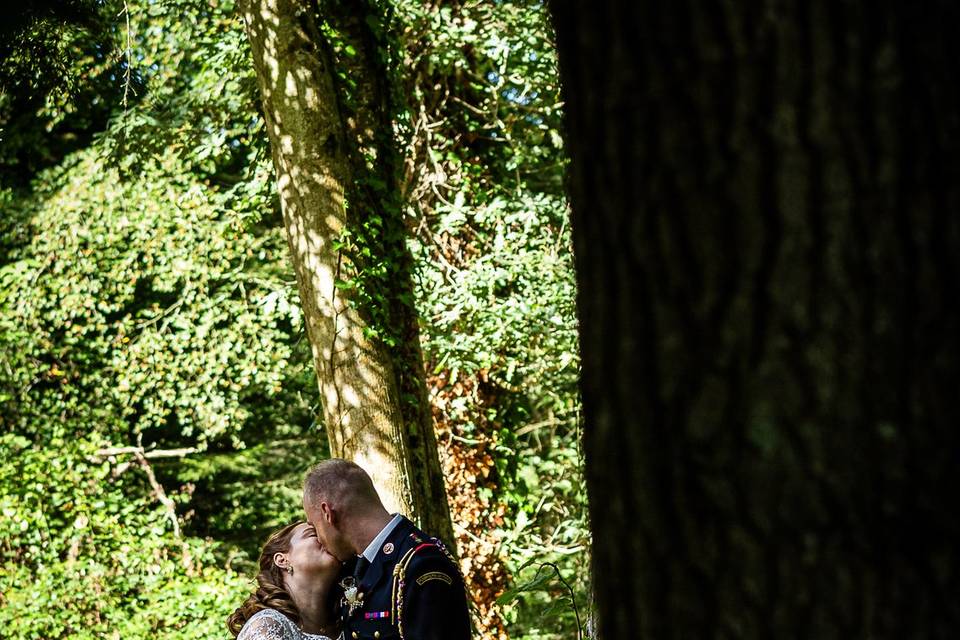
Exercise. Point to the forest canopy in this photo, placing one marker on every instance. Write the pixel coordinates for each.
(158, 401)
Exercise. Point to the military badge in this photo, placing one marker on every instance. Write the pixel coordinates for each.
(434, 575)
(388, 548)
(351, 593)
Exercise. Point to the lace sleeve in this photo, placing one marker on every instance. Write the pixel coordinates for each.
(268, 624)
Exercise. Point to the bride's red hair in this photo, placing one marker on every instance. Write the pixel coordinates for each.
(271, 592)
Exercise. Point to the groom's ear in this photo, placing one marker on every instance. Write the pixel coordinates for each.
(327, 512)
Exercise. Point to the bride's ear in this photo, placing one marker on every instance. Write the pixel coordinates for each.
(280, 560)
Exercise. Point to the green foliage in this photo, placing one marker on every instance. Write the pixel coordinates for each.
(150, 280)
(546, 573)
(496, 285)
(509, 311)
(84, 558)
(141, 312)
(487, 72)
(146, 297)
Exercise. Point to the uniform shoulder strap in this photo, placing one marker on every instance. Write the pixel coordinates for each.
(400, 575)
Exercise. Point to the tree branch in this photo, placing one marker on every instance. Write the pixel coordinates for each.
(140, 451)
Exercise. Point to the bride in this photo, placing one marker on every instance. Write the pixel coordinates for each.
(296, 590)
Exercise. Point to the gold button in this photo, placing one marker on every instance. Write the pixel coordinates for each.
(354, 634)
(376, 634)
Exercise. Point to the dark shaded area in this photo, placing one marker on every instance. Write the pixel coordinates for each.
(265, 478)
(23, 15)
(767, 241)
(48, 53)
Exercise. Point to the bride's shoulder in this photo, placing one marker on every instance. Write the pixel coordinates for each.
(268, 624)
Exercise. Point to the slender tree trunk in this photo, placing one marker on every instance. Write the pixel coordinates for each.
(373, 395)
(765, 217)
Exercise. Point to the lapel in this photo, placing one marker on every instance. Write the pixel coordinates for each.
(383, 561)
(348, 567)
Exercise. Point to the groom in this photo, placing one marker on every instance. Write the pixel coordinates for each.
(406, 584)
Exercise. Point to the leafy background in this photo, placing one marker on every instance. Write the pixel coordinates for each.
(146, 299)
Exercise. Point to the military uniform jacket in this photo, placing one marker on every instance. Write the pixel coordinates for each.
(412, 590)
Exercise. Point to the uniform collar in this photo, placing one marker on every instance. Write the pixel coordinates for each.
(371, 551)
(394, 545)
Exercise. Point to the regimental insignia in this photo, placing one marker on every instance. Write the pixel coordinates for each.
(434, 575)
(388, 548)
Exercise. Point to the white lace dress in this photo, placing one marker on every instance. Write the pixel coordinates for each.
(270, 624)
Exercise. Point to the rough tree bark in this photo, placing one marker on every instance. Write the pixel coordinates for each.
(374, 399)
(765, 217)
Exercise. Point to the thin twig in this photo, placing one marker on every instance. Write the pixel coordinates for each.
(573, 599)
(126, 78)
(153, 453)
(159, 493)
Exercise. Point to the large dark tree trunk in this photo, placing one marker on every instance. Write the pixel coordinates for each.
(765, 216)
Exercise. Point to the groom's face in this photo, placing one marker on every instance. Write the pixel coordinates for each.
(323, 519)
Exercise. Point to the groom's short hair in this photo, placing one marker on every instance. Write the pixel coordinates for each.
(341, 483)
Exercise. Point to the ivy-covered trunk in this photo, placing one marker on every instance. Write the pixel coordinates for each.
(346, 242)
(765, 217)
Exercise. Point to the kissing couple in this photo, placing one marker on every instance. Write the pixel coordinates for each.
(353, 571)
